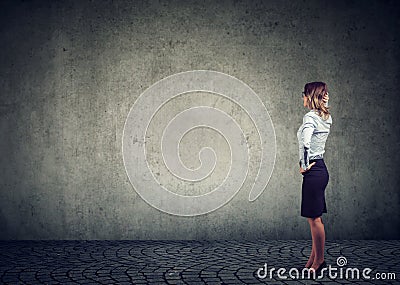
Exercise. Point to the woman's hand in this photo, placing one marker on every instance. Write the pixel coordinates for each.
(325, 99)
(308, 168)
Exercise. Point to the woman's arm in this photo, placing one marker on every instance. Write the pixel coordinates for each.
(325, 99)
(308, 127)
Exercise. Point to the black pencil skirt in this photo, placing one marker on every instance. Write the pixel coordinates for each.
(315, 181)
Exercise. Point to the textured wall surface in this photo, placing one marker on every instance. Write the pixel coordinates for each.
(71, 70)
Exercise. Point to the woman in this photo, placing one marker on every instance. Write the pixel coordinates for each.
(312, 136)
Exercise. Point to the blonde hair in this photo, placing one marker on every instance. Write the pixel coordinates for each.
(315, 91)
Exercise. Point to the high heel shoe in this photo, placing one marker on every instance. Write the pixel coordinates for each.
(319, 269)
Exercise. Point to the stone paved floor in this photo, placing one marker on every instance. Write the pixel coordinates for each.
(187, 262)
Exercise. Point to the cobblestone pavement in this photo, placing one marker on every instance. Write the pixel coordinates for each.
(188, 262)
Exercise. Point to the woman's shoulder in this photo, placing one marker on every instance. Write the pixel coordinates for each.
(314, 114)
(311, 113)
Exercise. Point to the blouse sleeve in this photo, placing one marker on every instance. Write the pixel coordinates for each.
(308, 127)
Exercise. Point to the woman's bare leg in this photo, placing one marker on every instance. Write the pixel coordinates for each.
(318, 236)
(312, 254)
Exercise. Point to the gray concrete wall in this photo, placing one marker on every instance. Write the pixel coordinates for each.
(71, 71)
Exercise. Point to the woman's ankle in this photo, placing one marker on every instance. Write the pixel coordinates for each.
(318, 262)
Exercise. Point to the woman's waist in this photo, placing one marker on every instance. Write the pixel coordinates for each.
(319, 163)
(316, 157)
